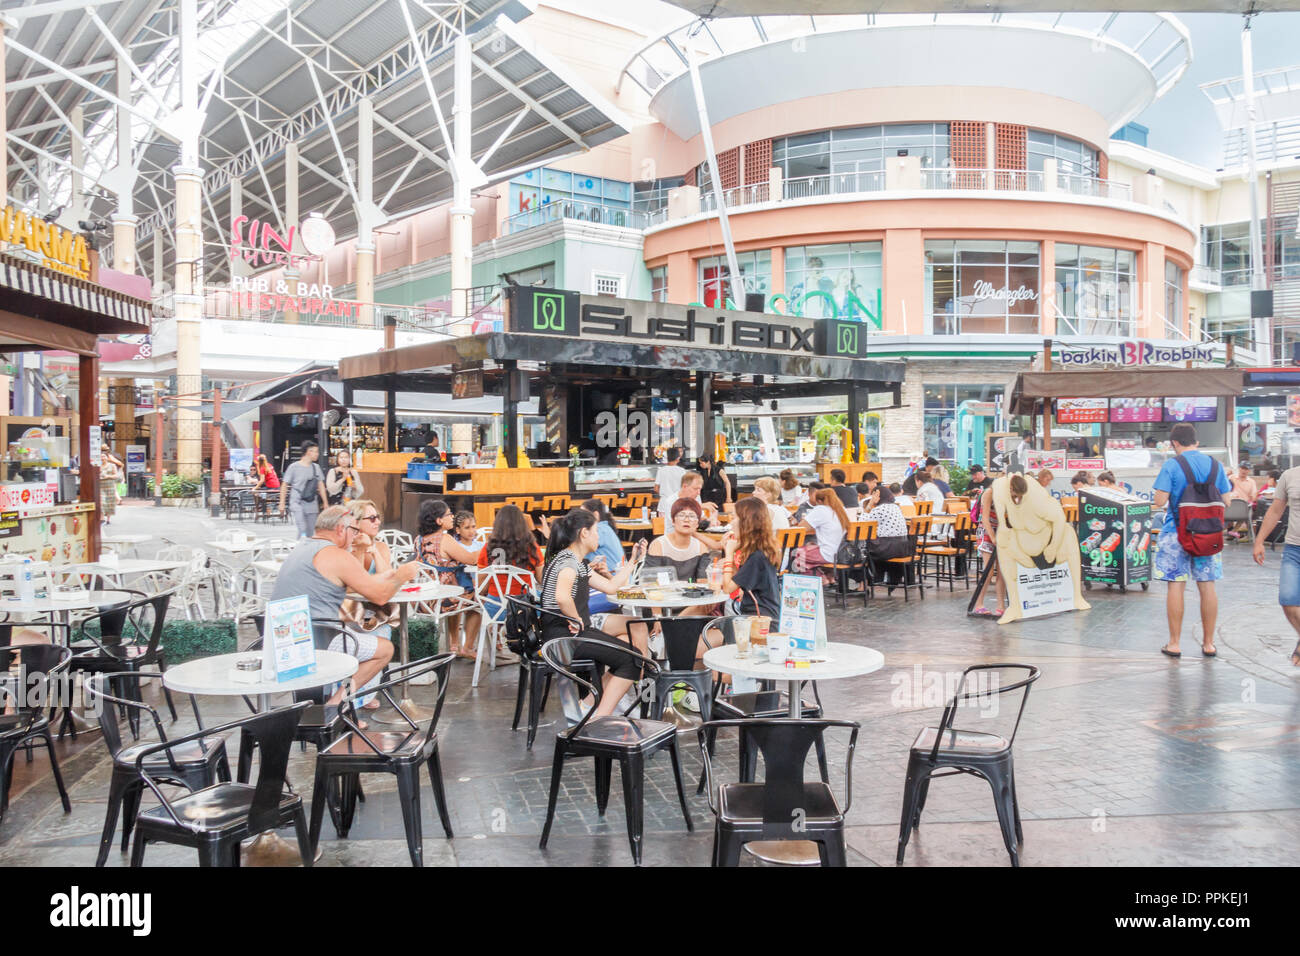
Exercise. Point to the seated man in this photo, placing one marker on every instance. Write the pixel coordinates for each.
(324, 568)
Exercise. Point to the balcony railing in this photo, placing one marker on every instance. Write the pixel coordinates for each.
(575, 209)
(1077, 185)
(1016, 180)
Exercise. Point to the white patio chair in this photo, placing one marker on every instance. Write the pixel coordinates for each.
(492, 581)
(438, 611)
(401, 544)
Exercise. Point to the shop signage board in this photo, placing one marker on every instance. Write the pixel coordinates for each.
(96, 452)
(1045, 591)
(467, 383)
(28, 495)
(1114, 537)
(61, 250)
(1132, 352)
(256, 293)
(1038, 460)
(1085, 464)
(11, 525)
(545, 311)
(1078, 411)
(259, 244)
(135, 460)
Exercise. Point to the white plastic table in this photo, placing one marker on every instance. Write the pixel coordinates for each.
(672, 601)
(61, 609)
(125, 567)
(131, 541)
(841, 660)
(212, 676)
(408, 594)
(256, 544)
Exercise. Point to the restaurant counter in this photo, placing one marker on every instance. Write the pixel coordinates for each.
(478, 490)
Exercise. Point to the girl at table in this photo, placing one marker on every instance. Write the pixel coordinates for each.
(438, 548)
(567, 582)
(751, 557)
(682, 547)
(466, 532)
(828, 522)
(510, 543)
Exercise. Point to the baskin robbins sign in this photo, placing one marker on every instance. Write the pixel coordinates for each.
(542, 311)
(1134, 352)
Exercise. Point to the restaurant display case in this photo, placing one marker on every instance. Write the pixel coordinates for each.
(614, 479)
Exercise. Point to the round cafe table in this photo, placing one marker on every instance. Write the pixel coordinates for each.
(839, 660)
(671, 601)
(408, 594)
(212, 676)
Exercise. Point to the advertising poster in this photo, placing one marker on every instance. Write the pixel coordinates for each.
(241, 459)
(96, 452)
(135, 460)
(1115, 538)
(1191, 409)
(1085, 464)
(1000, 445)
(1136, 409)
(1038, 460)
(803, 614)
(1078, 411)
(288, 649)
(1044, 591)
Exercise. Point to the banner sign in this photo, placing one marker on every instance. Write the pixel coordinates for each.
(1038, 460)
(10, 524)
(135, 460)
(545, 311)
(1077, 411)
(1133, 352)
(1046, 591)
(254, 293)
(60, 250)
(1085, 464)
(27, 495)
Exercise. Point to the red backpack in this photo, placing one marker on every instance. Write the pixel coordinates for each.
(1200, 513)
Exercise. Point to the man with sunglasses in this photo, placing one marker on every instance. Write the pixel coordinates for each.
(324, 568)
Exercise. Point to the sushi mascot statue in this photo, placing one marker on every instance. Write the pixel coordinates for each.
(1032, 532)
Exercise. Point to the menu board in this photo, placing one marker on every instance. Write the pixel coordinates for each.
(1191, 409)
(288, 650)
(1075, 411)
(803, 614)
(1136, 409)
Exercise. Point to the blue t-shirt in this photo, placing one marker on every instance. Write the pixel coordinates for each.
(609, 546)
(1172, 480)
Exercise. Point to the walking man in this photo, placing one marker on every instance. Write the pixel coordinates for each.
(307, 484)
(1173, 564)
(1288, 493)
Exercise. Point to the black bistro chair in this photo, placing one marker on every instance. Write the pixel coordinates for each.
(629, 740)
(947, 749)
(677, 668)
(524, 637)
(216, 819)
(784, 806)
(192, 766)
(31, 702)
(400, 752)
(129, 641)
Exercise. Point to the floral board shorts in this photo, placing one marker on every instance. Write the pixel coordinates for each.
(1173, 564)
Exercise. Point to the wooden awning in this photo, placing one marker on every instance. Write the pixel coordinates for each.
(1030, 388)
(44, 309)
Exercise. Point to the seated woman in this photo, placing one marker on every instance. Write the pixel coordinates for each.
(792, 493)
(566, 584)
(608, 556)
(682, 547)
(891, 539)
(266, 476)
(752, 557)
(828, 523)
(768, 490)
(438, 548)
(511, 543)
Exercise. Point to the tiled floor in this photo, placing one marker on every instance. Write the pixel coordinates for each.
(1123, 755)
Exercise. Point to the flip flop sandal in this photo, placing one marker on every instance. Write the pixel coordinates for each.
(1213, 653)
(983, 612)
(1168, 653)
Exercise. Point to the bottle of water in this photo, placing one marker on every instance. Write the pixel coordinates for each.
(26, 583)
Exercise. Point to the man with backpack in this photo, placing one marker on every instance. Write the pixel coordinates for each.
(1288, 492)
(1194, 490)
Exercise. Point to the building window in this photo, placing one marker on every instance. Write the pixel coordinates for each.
(659, 284)
(715, 278)
(957, 417)
(607, 283)
(546, 195)
(1096, 290)
(834, 281)
(1072, 157)
(652, 195)
(859, 149)
(1225, 249)
(982, 286)
(1173, 294)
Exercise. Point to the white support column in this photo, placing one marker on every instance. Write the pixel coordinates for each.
(365, 283)
(238, 267)
(189, 255)
(4, 132)
(291, 219)
(158, 277)
(76, 209)
(124, 220)
(1263, 326)
(462, 208)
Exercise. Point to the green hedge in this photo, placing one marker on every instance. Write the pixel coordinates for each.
(187, 640)
(423, 636)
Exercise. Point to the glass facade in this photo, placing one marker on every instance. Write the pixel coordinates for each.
(1096, 290)
(1173, 294)
(659, 284)
(834, 281)
(951, 432)
(1226, 249)
(858, 149)
(982, 286)
(715, 278)
(1072, 157)
(652, 195)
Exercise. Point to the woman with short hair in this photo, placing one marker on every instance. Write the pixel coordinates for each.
(768, 490)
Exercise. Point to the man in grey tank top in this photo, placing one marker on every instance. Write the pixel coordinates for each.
(324, 569)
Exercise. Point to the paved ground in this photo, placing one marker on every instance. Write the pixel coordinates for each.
(1123, 756)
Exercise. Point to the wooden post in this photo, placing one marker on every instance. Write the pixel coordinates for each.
(88, 409)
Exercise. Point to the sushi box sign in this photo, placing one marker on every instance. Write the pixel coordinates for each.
(27, 496)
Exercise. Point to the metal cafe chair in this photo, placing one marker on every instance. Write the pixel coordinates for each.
(523, 627)
(629, 740)
(399, 752)
(30, 721)
(947, 750)
(193, 766)
(784, 806)
(216, 819)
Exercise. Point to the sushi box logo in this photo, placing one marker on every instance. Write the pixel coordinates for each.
(547, 312)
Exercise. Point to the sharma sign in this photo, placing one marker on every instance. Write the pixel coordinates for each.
(60, 249)
(541, 311)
